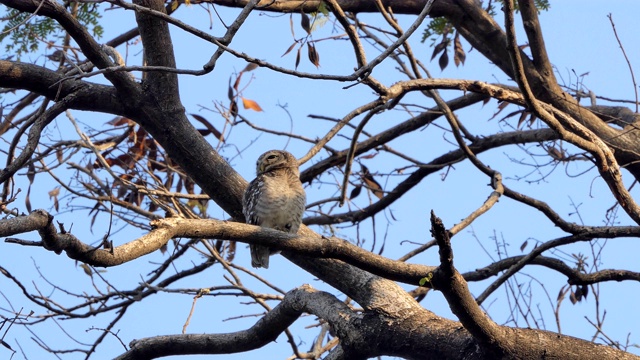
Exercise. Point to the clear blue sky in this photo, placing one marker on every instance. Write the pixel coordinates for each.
(579, 40)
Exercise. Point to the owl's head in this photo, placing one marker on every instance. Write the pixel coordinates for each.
(276, 159)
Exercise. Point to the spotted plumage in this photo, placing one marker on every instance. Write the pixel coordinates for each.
(274, 199)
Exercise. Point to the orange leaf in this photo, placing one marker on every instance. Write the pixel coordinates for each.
(250, 104)
(121, 120)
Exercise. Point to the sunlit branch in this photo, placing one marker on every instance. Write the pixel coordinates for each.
(320, 143)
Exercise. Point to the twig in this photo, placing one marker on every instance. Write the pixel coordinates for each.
(626, 58)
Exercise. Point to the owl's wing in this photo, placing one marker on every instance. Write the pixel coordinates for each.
(250, 202)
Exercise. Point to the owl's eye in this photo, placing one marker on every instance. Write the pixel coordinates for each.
(272, 156)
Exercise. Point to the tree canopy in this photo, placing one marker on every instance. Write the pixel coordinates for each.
(467, 195)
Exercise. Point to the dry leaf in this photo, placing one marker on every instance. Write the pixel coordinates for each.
(293, 33)
(179, 185)
(233, 109)
(444, 60)
(439, 48)
(231, 251)
(305, 23)
(289, 49)
(5, 345)
(561, 293)
(230, 91)
(210, 127)
(355, 192)
(314, 57)
(236, 84)
(189, 185)
(31, 173)
(556, 154)
(572, 298)
(459, 55)
(250, 67)
(251, 105)
(370, 156)
(298, 57)
(27, 201)
(501, 106)
(532, 119)
(54, 194)
(121, 120)
(371, 183)
(86, 268)
(524, 245)
(523, 117)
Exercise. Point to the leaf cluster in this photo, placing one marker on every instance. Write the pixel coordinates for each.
(24, 32)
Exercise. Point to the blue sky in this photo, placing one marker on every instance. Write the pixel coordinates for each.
(579, 40)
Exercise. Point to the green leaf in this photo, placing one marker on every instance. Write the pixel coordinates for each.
(426, 280)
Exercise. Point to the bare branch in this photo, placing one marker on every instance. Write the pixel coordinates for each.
(267, 329)
(449, 281)
(570, 129)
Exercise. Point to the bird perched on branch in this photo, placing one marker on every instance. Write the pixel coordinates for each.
(274, 199)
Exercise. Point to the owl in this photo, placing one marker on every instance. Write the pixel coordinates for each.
(274, 199)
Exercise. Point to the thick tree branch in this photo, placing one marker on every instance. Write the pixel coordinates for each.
(55, 86)
(308, 245)
(266, 330)
(90, 48)
(531, 25)
(449, 281)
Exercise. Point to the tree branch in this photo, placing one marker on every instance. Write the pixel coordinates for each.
(481, 145)
(267, 329)
(90, 48)
(449, 281)
(574, 276)
(570, 129)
